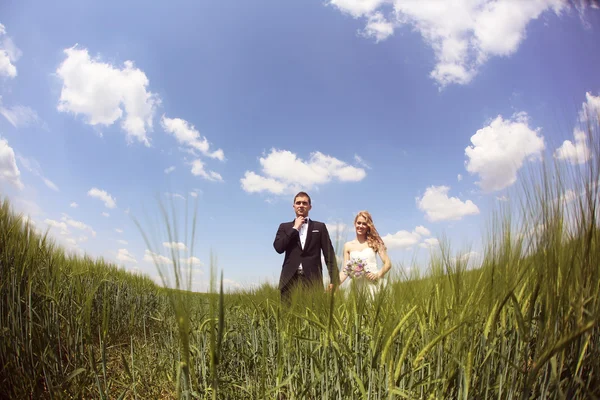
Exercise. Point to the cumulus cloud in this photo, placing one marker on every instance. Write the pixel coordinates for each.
(575, 153)
(198, 170)
(124, 255)
(73, 205)
(284, 173)
(34, 167)
(175, 245)
(170, 169)
(102, 195)
(9, 54)
(404, 239)
(421, 230)
(156, 258)
(18, 116)
(590, 109)
(104, 93)
(439, 207)
(429, 243)
(61, 226)
(500, 149)
(9, 172)
(118, 230)
(194, 261)
(174, 196)
(105, 214)
(463, 34)
(401, 239)
(77, 224)
(338, 230)
(187, 135)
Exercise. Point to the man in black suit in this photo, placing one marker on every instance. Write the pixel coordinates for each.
(302, 240)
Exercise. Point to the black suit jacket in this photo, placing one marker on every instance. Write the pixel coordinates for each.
(287, 240)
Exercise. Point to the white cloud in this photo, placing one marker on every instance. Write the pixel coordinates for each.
(34, 167)
(401, 239)
(421, 230)
(229, 283)
(463, 34)
(471, 258)
(198, 170)
(155, 258)
(429, 243)
(404, 239)
(118, 230)
(77, 224)
(170, 169)
(194, 261)
(9, 54)
(187, 135)
(108, 200)
(439, 207)
(175, 245)
(337, 230)
(61, 226)
(358, 8)
(459, 177)
(195, 192)
(175, 195)
(253, 183)
(123, 242)
(590, 109)
(378, 27)
(103, 93)
(105, 214)
(124, 255)
(27, 220)
(19, 116)
(73, 205)
(9, 171)
(360, 161)
(577, 153)
(500, 149)
(286, 173)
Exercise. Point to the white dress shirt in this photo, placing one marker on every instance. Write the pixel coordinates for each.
(303, 231)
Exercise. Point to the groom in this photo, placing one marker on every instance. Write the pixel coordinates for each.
(303, 240)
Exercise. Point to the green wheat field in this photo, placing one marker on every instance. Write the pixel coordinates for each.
(521, 323)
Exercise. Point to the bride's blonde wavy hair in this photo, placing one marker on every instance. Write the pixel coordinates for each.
(373, 238)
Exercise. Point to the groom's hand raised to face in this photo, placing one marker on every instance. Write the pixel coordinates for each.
(298, 222)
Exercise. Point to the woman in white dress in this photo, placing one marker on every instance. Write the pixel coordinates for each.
(363, 251)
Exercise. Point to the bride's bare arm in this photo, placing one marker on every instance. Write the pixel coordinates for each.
(343, 275)
(387, 264)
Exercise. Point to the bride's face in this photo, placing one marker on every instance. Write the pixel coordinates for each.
(361, 226)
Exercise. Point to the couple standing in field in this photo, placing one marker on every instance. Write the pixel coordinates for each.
(303, 239)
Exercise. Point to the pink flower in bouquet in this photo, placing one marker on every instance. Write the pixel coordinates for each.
(355, 267)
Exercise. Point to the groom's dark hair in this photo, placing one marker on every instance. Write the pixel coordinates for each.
(302, 194)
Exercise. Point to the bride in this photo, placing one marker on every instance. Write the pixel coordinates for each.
(362, 252)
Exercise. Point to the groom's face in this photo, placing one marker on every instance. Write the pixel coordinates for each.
(301, 206)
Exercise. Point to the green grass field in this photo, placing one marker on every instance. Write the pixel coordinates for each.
(522, 324)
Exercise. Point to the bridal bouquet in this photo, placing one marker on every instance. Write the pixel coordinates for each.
(355, 267)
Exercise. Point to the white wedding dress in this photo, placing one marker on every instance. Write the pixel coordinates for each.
(367, 255)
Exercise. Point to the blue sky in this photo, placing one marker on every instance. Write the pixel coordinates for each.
(423, 113)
